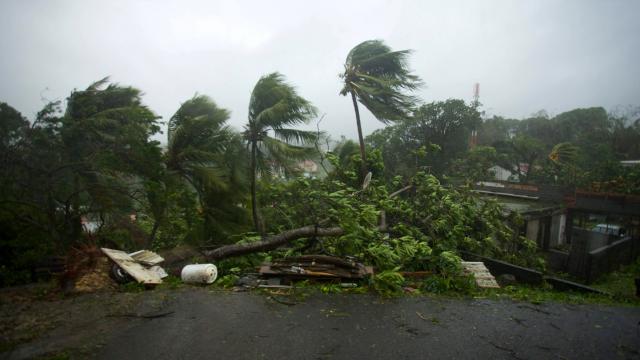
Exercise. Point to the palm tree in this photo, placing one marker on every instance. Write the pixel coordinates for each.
(379, 78)
(274, 146)
(203, 151)
(197, 137)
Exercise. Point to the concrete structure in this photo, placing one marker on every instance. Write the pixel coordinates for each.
(545, 220)
(557, 219)
(500, 173)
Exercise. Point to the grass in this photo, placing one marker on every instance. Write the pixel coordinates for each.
(543, 294)
(62, 355)
(621, 283)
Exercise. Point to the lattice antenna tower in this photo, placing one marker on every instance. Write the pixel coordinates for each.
(473, 142)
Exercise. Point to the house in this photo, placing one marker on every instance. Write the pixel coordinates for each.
(309, 168)
(543, 211)
(584, 233)
(500, 173)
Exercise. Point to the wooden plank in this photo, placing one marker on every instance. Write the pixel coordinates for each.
(481, 274)
(132, 267)
(147, 257)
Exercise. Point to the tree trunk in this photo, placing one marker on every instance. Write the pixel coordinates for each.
(154, 231)
(271, 242)
(254, 199)
(363, 154)
(275, 241)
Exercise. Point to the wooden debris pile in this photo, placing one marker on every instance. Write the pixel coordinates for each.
(316, 267)
(96, 279)
(141, 265)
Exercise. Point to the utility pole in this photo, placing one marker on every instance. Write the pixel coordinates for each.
(473, 142)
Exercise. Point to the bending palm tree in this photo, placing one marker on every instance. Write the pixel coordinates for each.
(203, 151)
(378, 78)
(197, 139)
(274, 106)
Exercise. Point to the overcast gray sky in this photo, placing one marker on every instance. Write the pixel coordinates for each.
(526, 55)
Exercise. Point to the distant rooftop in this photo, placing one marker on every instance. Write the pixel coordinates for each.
(630, 162)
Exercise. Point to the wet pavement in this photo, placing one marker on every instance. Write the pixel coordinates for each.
(196, 323)
(251, 326)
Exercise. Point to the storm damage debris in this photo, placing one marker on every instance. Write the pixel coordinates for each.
(141, 265)
(199, 274)
(481, 274)
(316, 267)
(146, 257)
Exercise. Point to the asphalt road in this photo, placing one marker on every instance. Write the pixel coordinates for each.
(207, 325)
(196, 323)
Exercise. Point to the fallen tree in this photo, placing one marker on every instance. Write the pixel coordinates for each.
(418, 232)
(271, 242)
(275, 241)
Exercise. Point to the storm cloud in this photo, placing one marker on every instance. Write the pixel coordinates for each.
(527, 56)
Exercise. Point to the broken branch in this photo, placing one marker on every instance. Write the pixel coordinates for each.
(272, 242)
(275, 241)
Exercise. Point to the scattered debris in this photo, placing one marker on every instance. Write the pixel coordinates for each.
(143, 316)
(348, 285)
(135, 268)
(160, 271)
(146, 257)
(316, 266)
(409, 289)
(282, 301)
(96, 279)
(199, 273)
(267, 286)
(249, 281)
(483, 277)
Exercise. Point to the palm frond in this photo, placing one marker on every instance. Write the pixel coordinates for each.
(564, 153)
(274, 103)
(380, 78)
(280, 150)
(98, 84)
(294, 136)
(199, 107)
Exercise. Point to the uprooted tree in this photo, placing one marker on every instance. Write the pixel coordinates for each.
(420, 227)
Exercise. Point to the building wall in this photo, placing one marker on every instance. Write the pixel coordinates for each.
(558, 223)
(501, 173)
(533, 227)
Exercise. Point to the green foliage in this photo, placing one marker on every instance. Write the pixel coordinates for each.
(543, 294)
(86, 162)
(227, 281)
(388, 282)
(379, 78)
(347, 164)
(171, 282)
(460, 284)
(579, 148)
(274, 107)
(521, 155)
(199, 198)
(427, 226)
(476, 164)
(621, 283)
(132, 287)
(433, 138)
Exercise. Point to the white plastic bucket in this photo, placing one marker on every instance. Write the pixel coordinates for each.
(199, 273)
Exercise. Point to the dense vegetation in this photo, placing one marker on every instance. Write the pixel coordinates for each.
(90, 162)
